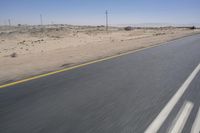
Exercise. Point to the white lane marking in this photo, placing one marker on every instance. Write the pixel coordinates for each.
(158, 121)
(196, 125)
(181, 118)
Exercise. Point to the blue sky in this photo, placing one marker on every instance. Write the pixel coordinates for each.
(91, 12)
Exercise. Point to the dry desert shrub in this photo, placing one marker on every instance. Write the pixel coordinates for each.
(13, 55)
(129, 28)
(193, 28)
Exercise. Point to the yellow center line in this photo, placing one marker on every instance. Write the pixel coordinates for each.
(73, 67)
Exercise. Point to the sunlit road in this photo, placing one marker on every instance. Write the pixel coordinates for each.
(154, 90)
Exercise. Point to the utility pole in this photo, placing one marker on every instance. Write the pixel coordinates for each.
(5, 23)
(9, 22)
(41, 21)
(106, 20)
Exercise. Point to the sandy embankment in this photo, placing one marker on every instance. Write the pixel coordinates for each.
(42, 49)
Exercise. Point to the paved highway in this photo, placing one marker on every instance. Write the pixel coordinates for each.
(154, 90)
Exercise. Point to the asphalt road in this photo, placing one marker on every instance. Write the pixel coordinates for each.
(120, 95)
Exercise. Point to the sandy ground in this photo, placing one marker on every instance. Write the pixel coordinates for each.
(32, 50)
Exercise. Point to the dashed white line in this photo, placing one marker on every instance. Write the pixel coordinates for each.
(158, 121)
(181, 118)
(196, 125)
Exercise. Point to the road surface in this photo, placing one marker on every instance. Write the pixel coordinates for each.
(154, 90)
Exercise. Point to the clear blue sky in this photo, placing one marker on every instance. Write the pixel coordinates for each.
(92, 11)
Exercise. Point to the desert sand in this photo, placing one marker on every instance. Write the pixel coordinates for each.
(31, 50)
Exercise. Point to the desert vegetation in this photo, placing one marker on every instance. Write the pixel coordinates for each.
(30, 50)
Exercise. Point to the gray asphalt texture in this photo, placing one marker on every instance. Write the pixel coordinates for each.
(121, 95)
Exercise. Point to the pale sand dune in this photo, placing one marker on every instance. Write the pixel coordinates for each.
(43, 49)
